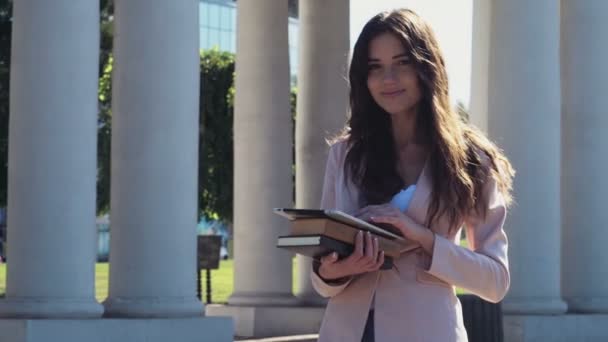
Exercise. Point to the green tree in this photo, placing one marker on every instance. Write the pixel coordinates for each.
(215, 174)
(6, 9)
(104, 124)
(104, 136)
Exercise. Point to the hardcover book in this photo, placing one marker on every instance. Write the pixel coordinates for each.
(341, 232)
(343, 227)
(317, 246)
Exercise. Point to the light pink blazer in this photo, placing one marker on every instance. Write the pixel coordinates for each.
(416, 300)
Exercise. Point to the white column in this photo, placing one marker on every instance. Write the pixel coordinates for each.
(262, 155)
(321, 108)
(584, 88)
(52, 161)
(480, 59)
(524, 104)
(154, 160)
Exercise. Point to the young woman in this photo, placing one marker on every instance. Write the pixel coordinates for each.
(407, 159)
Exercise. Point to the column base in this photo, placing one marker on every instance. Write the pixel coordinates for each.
(262, 299)
(48, 307)
(311, 299)
(592, 305)
(153, 307)
(213, 329)
(560, 328)
(534, 306)
(260, 321)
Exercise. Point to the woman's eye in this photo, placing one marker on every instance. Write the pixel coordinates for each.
(373, 66)
(403, 62)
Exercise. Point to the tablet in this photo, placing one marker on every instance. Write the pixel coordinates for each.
(336, 215)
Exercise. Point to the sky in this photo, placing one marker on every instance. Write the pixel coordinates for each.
(452, 21)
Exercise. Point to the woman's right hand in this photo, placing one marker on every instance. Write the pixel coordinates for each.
(366, 257)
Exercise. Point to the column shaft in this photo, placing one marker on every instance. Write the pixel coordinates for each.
(480, 58)
(321, 108)
(154, 160)
(524, 104)
(52, 161)
(584, 74)
(262, 155)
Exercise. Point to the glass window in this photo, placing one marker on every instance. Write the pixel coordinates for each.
(233, 20)
(203, 10)
(214, 39)
(214, 13)
(293, 34)
(293, 59)
(204, 39)
(225, 18)
(223, 44)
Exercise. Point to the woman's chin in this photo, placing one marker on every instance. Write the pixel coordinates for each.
(398, 111)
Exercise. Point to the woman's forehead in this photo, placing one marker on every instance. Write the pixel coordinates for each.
(386, 45)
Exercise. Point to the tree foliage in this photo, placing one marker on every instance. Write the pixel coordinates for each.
(6, 9)
(215, 174)
(104, 137)
(104, 118)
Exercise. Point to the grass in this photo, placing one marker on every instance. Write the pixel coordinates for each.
(221, 281)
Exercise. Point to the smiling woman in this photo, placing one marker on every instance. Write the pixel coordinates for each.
(405, 158)
(392, 79)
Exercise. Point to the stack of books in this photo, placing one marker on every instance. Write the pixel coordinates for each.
(316, 233)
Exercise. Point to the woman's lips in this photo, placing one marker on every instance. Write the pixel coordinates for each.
(392, 93)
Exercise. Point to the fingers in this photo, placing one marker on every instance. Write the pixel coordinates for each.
(366, 211)
(392, 220)
(371, 251)
(366, 255)
(382, 219)
(369, 246)
(330, 258)
(376, 210)
(380, 261)
(358, 252)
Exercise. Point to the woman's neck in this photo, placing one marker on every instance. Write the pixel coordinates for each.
(404, 129)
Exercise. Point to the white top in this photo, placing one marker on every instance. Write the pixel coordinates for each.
(402, 199)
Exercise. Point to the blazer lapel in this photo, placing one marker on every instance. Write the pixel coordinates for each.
(419, 203)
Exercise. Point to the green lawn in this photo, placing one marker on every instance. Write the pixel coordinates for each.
(221, 281)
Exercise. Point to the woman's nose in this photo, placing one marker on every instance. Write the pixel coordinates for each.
(389, 75)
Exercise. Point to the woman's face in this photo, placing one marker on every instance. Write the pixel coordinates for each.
(392, 79)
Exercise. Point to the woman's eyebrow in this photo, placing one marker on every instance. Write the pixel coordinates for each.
(401, 55)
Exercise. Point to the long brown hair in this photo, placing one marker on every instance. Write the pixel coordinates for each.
(461, 158)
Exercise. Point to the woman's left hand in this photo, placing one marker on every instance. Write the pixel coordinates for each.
(386, 213)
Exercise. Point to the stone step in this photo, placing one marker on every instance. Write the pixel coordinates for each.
(291, 338)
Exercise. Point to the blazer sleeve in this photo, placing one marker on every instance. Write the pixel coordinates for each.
(482, 269)
(328, 201)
